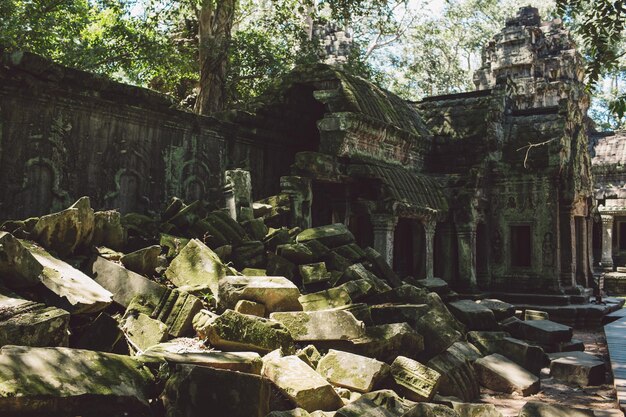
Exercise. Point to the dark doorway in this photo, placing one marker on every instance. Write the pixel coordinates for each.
(482, 255)
(521, 249)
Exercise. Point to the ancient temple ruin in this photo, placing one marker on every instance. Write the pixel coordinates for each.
(489, 189)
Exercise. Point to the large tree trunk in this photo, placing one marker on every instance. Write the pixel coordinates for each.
(215, 24)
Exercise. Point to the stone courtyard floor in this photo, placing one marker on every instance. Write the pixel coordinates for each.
(554, 392)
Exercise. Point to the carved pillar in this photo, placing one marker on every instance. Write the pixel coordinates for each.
(238, 194)
(383, 226)
(567, 248)
(300, 199)
(583, 256)
(466, 237)
(429, 234)
(607, 242)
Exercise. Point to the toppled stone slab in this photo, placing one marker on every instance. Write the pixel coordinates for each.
(458, 378)
(194, 390)
(404, 294)
(475, 316)
(173, 244)
(326, 299)
(143, 261)
(580, 368)
(23, 265)
(500, 374)
(124, 284)
(358, 272)
(543, 331)
(196, 268)
(310, 355)
(465, 350)
(416, 382)
(436, 285)
(382, 268)
(331, 235)
(537, 409)
(176, 309)
(28, 323)
(30, 382)
(305, 387)
(355, 372)
(233, 331)
(323, 325)
(68, 230)
(76, 292)
(179, 353)
(382, 403)
(275, 293)
(386, 341)
(398, 313)
(108, 230)
(500, 309)
(535, 315)
(528, 356)
(250, 307)
(439, 327)
(142, 331)
(314, 273)
(432, 410)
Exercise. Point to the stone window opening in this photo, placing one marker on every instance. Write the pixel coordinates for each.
(521, 245)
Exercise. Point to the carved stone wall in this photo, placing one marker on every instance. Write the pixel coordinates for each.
(66, 133)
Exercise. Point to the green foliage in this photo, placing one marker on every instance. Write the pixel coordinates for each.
(600, 25)
(440, 52)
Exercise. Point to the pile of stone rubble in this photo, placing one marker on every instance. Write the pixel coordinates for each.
(193, 313)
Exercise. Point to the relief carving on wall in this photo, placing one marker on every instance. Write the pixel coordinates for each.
(548, 250)
(496, 246)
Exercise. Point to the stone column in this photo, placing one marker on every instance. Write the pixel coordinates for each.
(466, 237)
(429, 234)
(384, 226)
(238, 194)
(567, 249)
(607, 242)
(300, 199)
(584, 258)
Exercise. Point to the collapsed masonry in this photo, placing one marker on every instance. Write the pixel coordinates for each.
(195, 310)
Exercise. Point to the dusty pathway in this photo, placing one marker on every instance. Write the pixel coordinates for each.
(555, 392)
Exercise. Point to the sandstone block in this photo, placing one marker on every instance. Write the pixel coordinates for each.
(476, 410)
(143, 261)
(108, 230)
(30, 382)
(416, 382)
(323, 325)
(580, 368)
(314, 273)
(196, 268)
(458, 378)
(332, 235)
(250, 307)
(355, 372)
(540, 409)
(198, 390)
(500, 374)
(500, 309)
(544, 332)
(386, 341)
(68, 230)
(142, 331)
(475, 316)
(27, 323)
(182, 353)
(305, 387)
(275, 293)
(123, 283)
(233, 331)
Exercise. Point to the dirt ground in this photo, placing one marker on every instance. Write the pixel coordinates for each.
(554, 392)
